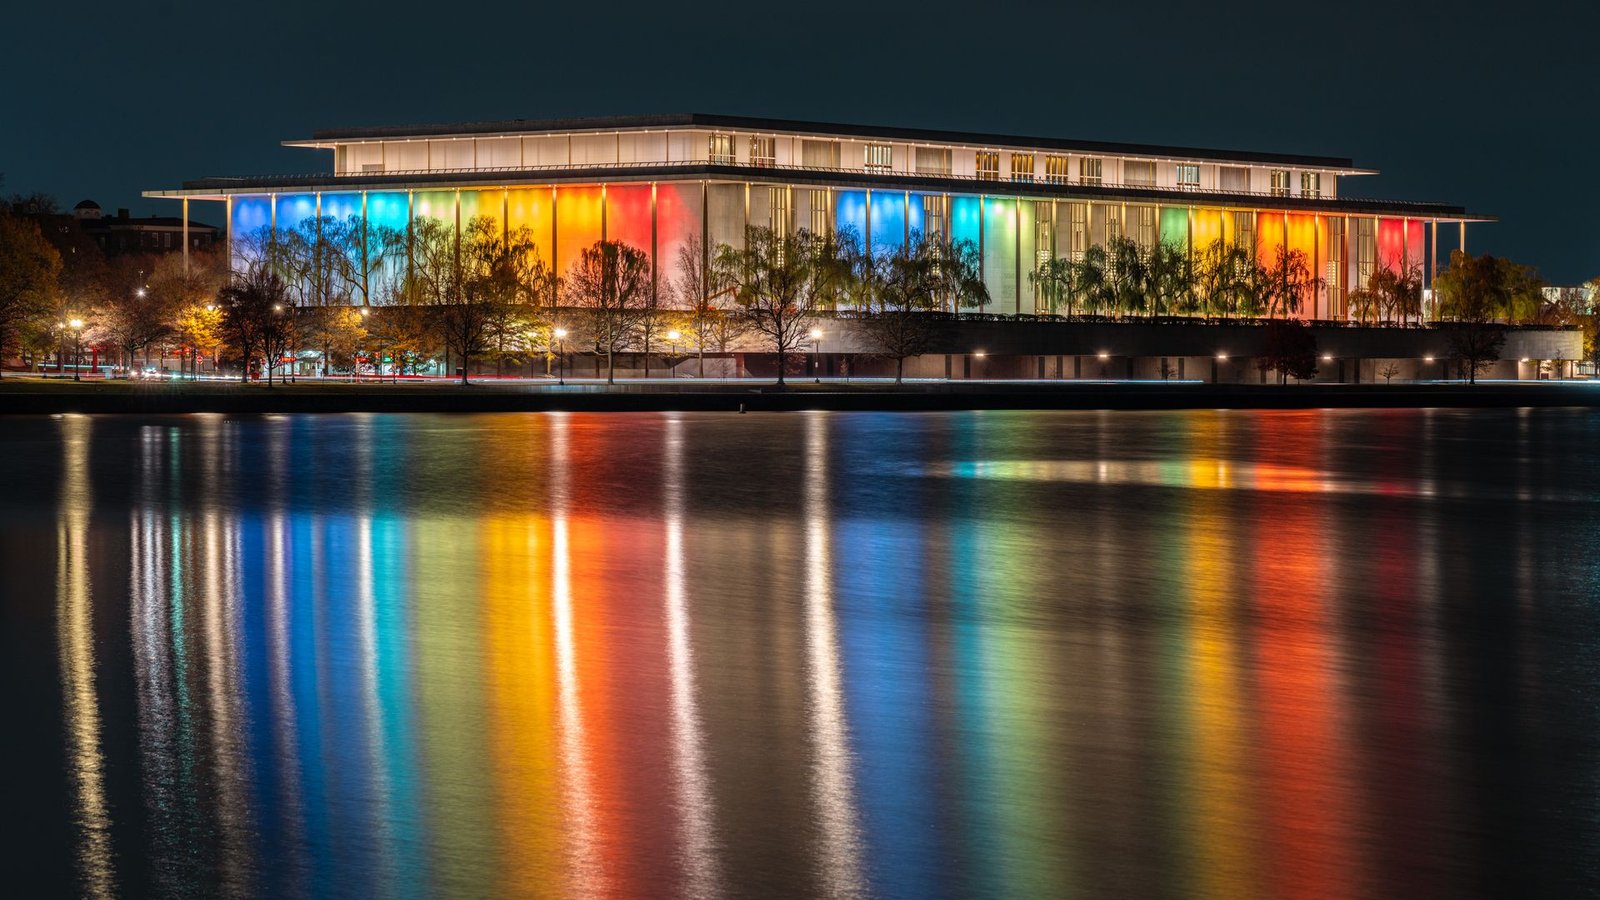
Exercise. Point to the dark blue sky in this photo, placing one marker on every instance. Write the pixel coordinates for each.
(1494, 107)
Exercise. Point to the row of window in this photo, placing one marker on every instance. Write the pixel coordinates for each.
(878, 157)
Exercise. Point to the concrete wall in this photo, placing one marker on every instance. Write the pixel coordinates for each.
(1223, 353)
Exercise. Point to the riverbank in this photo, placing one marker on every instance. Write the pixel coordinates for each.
(20, 395)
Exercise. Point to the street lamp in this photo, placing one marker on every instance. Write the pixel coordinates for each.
(77, 348)
(561, 356)
(816, 337)
(673, 336)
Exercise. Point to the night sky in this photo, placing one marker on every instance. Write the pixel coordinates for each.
(1491, 106)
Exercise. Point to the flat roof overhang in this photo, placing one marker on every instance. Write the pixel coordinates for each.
(223, 188)
(327, 138)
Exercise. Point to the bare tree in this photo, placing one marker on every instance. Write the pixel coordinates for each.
(611, 280)
(700, 291)
(255, 317)
(1389, 371)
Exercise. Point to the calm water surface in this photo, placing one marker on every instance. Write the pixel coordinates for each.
(1196, 654)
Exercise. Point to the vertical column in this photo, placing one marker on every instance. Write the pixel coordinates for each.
(603, 205)
(1433, 253)
(1016, 251)
(655, 298)
(555, 231)
(366, 288)
(1463, 235)
(186, 235)
(866, 239)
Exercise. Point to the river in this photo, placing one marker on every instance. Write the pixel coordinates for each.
(1008, 654)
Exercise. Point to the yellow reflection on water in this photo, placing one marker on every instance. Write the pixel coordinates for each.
(1219, 779)
(75, 637)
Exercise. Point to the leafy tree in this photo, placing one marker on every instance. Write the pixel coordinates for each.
(198, 327)
(132, 320)
(1477, 294)
(912, 281)
(779, 282)
(338, 331)
(1290, 349)
(29, 273)
(611, 279)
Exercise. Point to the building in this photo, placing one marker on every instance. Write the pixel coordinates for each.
(123, 233)
(658, 182)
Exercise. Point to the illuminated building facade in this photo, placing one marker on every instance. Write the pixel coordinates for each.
(657, 182)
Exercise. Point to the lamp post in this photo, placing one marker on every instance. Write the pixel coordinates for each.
(672, 337)
(77, 348)
(561, 356)
(816, 337)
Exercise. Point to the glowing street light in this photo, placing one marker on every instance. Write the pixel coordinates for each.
(561, 356)
(77, 348)
(673, 336)
(816, 336)
(1104, 356)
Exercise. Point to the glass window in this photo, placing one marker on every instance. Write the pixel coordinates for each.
(819, 154)
(1188, 176)
(763, 151)
(1310, 184)
(722, 149)
(1280, 182)
(1055, 169)
(988, 165)
(1022, 167)
(1234, 178)
(933, 160)
(1139, 174)
(1089, 170)
(1366, 250)
(879, 157)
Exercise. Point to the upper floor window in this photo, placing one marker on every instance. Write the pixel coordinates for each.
(819, 154)
(1234, 178)
(1188, 176)
(1280, 183)
(1089, 169)
(1022, 167)
(879, 157)
(1311, 184)
(1142, 174)
(933, 160)
(988, 165)
(721, 147)
(1055, 169)
(763, 151)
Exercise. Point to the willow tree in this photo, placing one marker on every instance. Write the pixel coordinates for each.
(913, 280)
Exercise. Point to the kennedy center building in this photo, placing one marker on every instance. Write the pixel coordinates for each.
(657, 182)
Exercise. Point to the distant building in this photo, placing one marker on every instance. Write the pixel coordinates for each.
(123, 233)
